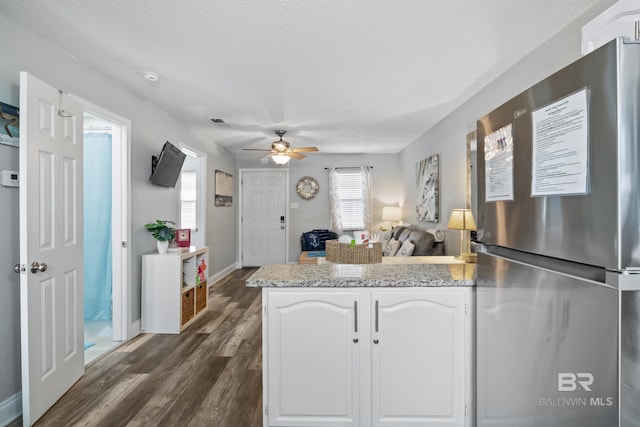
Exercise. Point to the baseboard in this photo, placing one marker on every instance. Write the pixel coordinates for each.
(220, 274)
(10, 409)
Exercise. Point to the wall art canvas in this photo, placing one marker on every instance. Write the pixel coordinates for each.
(427, 198)
(224, 189)
(9, 125)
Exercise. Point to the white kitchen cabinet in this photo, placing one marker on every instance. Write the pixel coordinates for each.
(418, 357)
(174, 290)
(367, 357)
(312, 375)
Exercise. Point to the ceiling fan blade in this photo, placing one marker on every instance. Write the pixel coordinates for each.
(304, 149)
(295, 155)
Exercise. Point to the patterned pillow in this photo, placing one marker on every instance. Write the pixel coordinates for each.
(406, 249)
(392, 248)
(385, 236)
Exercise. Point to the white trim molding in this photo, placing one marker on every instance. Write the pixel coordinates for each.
(11, 409)
(220, 274)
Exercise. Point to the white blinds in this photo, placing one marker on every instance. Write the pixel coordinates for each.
(349, 192)
(188, 196)
(350, 199)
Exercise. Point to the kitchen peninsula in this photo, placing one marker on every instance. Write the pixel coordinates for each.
(367, 344)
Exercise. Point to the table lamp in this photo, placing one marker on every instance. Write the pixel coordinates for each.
(462, 219)
(391, 213)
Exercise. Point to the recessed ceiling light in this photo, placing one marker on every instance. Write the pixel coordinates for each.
(151, 76)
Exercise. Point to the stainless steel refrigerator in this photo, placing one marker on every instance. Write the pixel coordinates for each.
(558, 297)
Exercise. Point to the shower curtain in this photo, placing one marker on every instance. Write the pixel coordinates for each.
(97, 226)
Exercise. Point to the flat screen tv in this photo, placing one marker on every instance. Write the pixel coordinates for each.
(165, 168)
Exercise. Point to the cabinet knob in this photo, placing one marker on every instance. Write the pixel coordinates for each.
(376, 341)
(355, 340)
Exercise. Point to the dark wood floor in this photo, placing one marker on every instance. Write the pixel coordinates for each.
(209, 375)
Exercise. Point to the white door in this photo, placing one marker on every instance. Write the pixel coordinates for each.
(417, 356)
(313, 358)
(51, 291)
(263, 217)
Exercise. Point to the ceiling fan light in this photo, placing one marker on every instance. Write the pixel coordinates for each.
(280, 159)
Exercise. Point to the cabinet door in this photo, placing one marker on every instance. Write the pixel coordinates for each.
(418, 364)
(312, 358)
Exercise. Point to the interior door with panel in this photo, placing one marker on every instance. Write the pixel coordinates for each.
(264, 210)
(418, 357)
(51, 245)
(314, 349)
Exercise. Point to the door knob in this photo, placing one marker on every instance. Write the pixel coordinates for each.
(35, 267)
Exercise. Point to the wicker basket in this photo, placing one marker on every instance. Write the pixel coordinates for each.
(343, 253)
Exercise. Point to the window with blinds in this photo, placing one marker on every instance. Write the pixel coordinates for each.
(350, 194)
(188, 198)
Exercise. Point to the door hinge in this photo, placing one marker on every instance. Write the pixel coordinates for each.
(466, 411)
(266, 410)
(466, 308)
(265, 310)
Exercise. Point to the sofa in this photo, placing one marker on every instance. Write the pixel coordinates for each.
(407, 240)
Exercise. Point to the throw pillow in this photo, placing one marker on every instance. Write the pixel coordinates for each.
(406, 249)
(385, 236)
(312, 241)
(392, 248)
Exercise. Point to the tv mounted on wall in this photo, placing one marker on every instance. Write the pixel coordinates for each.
(165, 168)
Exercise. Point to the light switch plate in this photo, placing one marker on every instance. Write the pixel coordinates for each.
(294, 205)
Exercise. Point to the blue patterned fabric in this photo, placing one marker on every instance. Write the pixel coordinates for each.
(314, 240)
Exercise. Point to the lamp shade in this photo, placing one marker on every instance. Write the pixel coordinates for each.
(391, 213)
(461, 219)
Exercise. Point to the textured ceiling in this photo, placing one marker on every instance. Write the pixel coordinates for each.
(349, 76)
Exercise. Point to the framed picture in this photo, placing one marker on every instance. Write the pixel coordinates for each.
(224, 189)
(427, 184)
(183, 238)
(9, 125)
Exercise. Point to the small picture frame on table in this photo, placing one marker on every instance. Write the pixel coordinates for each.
(183, 237)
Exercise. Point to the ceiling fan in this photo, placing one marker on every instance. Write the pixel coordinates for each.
(281, 151)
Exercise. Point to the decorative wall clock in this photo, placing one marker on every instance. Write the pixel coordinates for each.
(307, 188)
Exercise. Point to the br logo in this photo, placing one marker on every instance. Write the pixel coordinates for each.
(568, 381)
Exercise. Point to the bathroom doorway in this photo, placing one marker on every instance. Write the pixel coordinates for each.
(104, 221)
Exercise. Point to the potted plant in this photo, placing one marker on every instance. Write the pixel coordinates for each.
(163, 231)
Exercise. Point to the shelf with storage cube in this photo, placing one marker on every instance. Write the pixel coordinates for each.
(174, 289)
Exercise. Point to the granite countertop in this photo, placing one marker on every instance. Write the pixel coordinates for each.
(363, 275)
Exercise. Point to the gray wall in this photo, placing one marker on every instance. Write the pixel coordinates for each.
(314, 213)
(150, 128)
(221, 220)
